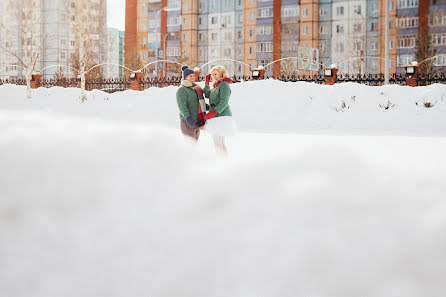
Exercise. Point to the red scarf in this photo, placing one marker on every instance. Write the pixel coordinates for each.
(217, 82)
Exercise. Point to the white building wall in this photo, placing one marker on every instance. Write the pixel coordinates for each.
(56, 35)
(223, 46)
(345, 44)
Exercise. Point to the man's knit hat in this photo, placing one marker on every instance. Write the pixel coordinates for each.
(187, 71)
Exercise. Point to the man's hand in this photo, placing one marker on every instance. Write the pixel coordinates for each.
(190, 122)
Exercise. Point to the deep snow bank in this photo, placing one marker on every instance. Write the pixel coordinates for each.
(92, 207)
(266, 106)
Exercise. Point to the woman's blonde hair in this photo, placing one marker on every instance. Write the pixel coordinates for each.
(222, 70)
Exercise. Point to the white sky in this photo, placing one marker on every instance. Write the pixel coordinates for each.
(116, 14)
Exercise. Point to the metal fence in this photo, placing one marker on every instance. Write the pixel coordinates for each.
(116, 85)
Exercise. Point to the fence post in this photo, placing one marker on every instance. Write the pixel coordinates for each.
(330, 75)
(79, 84)
(197, 73)
(35, 80)
(412, 74)
(135, 78)
(258, 73)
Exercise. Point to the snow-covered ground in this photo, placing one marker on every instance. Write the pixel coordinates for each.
(317, 197)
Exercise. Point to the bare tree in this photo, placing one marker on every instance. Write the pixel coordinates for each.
(289, 49)
(30, 38)
(88, 30)
(357, 43)
(425, 52)
(135, 62)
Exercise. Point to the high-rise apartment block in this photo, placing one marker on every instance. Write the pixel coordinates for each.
(248, 33)
(48, 29)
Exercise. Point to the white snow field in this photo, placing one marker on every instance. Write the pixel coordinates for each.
(317, 197)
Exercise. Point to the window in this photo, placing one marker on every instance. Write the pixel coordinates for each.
(357, 9)
(263, 62)
(390, 44)
(323, 29)
(214, 20)
(409, 22)
(62, 56)
(357, 28)
(251, 50)
(174, 20)
(173, 51)
(186, 6)
(227, 52)
(340, 10)
(375, 7)
(153, 38)
(251, 33)
(174, 4)
(304, 12)
(154, 23)
(228, 36)
(322, 47)
(290, 11)
(184, 37)
(374, 27)
(252, 16)
(407, 3)
(265, 12)
(227, 20)
(373, 45)
(340, 47)
(185, 21)
(214, 36)
(212, 4)
(339, 29)
(409, 41)
(265, 47)
(304, 30)
(264, 30)
(323, 11)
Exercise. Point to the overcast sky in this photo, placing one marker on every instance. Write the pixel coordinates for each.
(116, 14)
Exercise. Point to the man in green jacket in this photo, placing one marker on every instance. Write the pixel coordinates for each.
(190, 106)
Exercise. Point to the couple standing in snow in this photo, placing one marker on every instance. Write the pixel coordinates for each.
(218, 120)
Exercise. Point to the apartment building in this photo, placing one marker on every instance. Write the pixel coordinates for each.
(437, 29)
(112, 69)
(348, 33)
(51, 29)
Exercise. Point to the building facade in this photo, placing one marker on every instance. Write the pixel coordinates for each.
(244, 34)
(112, 68)
(51, 27)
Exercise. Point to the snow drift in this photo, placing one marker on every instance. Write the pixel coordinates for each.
(267, 106)
(104, 198)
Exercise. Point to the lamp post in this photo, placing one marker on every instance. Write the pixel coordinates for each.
(386, 45)
(165, 52)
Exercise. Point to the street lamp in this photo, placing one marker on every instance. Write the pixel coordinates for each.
(165, 51)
